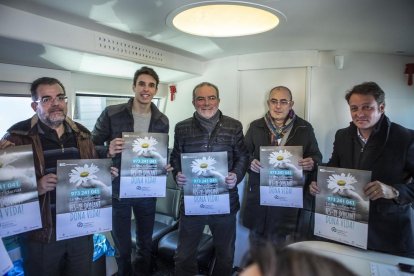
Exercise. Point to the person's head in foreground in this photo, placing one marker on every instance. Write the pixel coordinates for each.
(265, 261)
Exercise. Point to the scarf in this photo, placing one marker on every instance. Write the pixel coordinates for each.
(276, 132)
(210, 123)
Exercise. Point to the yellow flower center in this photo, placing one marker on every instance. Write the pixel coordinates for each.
(203, 165)
(279, 158)
(341, 182)
(145, 145)
(84, 174)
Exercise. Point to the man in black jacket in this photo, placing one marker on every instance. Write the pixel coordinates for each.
(209, 131)
(373, 143)
(138, 115)
(279, 127)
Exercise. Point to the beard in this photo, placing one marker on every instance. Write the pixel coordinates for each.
(52, 119)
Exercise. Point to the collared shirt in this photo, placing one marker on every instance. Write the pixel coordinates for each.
(363, 140)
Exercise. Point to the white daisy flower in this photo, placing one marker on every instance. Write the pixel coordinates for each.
(80, 175)
(6, 160)
(145, 145)
(341, 182)
(201, 166)
(277, 158)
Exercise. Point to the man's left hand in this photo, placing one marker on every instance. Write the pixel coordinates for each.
(306, 163)
(376, 189)
(231, 180)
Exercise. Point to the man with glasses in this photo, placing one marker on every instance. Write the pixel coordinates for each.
(372, 142)
(279, 127)
(209, 131)
(54, 137)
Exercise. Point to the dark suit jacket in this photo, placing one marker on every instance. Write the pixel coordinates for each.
(389, 154)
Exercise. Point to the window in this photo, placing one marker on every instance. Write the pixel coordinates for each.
(88, 107)
(14, 109)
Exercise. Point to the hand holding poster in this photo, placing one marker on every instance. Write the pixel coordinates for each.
(281, 178)
(83, 197)
(143, 162)
(341, 208)
(205, 192)
(19, 202)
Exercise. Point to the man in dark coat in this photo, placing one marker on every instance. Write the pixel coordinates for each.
(279, 127)
(209, 131)
(373, 143)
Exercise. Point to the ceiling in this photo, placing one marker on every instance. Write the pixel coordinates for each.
(378, 26)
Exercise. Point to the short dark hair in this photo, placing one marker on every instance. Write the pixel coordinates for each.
(144, 70)
(46, 81)
(280, 87)
(205, 83)
(367, 88)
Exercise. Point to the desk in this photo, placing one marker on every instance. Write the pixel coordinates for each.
(355, 259)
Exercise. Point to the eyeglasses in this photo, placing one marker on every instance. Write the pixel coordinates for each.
(281, 102)
(209, 98)
(48, 100)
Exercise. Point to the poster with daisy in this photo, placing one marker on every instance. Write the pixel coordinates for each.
(83, 197)
(5, 261)
(341, 208)
(19, 201)
(143, 162)
(281, 178)
(205, 192)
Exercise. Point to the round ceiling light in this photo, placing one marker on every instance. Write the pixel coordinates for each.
(224, 19)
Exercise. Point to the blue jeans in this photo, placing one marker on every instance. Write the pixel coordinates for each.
(144, 212)
(223, 229)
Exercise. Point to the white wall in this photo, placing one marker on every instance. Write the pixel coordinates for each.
(327, 86)
(222, 73)
(328, 108)
(225, 73)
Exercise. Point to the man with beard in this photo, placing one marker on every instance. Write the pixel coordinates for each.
(54, 137)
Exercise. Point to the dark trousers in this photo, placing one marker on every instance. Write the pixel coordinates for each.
(144, 212)
(66, 257)
(278, 240)
(223, 229)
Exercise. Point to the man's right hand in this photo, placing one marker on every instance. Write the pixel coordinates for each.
(255, 166)
(115, 147)
(313, 188)
(47, 183)
(5, 144)
(181, 179)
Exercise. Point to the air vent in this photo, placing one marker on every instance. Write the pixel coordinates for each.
(127, 49)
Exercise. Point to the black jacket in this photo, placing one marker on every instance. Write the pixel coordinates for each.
(190, 136)
(116, 119)
(279, 220)
(389, 154)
